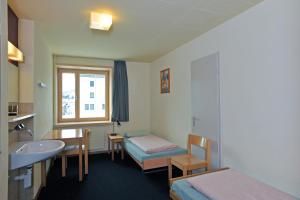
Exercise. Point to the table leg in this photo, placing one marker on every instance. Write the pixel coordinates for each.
(169, 169)
(43, 173)
(80, 160)
(86, 159)
(108, 144)
(113, 151)
(122, 150)
(63, 165)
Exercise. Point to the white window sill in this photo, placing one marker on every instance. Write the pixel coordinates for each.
(78, 124)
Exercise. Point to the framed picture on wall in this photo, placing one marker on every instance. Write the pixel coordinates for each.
(165, 81)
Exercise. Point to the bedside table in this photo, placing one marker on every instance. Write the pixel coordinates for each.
(115, 140)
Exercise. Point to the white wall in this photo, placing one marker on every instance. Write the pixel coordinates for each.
(43, 106)
(26, 69)
(260, 94)
(139, 98)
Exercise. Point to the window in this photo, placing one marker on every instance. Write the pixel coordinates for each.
(92, 107)
(92, 83)
(76, 102)
(92, 95)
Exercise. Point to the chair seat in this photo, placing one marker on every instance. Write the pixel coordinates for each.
(189, 162)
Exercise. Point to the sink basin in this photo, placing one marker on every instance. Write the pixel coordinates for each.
(27, 153)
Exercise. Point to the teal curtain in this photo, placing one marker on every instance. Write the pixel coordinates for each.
(120, 110)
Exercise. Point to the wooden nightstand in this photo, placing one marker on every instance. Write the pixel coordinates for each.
(119, 141)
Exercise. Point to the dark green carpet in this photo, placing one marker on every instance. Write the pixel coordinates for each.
(107, 180)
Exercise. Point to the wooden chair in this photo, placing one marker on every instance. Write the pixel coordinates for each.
(189, 162)
(72, 150)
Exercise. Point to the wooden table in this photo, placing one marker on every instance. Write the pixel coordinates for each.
(115, 139)
(74, 136)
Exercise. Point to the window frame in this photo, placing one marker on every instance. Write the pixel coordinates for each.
(77, 72)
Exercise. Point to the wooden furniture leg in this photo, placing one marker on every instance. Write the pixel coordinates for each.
(80, 161)
(43, 173)
(108, 145)
(122, 150)
(113, 151)
(63, 165)
(169, 169)
(86, 160)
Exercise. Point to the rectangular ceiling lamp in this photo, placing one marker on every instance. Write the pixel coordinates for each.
(100, 21)
(14, 53)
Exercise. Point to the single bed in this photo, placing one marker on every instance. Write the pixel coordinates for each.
(180, 189)
(151, 160)
(232, 185)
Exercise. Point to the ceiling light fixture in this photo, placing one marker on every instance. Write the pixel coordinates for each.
(100, 21)
(14, 53)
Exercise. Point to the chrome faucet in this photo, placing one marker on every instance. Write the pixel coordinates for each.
(20, 127)
(29, 131)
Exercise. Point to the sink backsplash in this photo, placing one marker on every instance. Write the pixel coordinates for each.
(22, 135)
(25, 108)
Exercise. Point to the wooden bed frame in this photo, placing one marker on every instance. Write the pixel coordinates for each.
(153, 162)
(173, 194)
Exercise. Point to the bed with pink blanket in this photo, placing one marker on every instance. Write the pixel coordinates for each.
(224, 184)
(151, 151)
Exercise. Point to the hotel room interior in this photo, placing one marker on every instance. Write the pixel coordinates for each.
(150, 99)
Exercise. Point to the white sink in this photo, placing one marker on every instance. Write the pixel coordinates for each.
(27, 153)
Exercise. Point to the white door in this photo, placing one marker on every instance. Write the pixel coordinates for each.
(205, 99)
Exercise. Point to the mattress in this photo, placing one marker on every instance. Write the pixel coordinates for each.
(152, 143)
(140, 155)
(185, 192)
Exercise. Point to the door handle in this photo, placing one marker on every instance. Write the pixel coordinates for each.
(194, 119)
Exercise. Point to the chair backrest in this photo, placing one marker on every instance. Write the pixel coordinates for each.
(202, 142)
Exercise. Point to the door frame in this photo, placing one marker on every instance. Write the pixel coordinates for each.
(3, 101)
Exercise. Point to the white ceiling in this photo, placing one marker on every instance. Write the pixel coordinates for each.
(143, 30)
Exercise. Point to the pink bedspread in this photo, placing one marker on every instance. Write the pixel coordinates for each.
(231, 185)
(152, 143)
